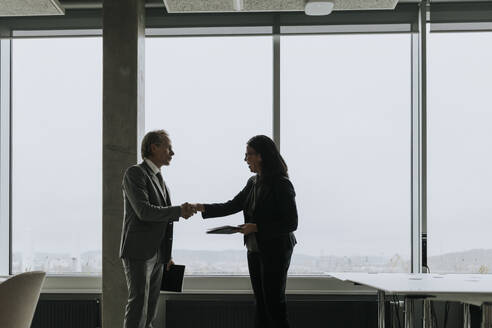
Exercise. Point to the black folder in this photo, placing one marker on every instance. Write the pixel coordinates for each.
(224, 230)
(172, 280)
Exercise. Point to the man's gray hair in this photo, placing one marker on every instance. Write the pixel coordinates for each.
(155, 137)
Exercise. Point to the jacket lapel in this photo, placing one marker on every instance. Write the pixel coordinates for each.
(154, 179)
(265, 191)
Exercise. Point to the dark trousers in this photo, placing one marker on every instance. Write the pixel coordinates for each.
(143, 279)
(268, 273)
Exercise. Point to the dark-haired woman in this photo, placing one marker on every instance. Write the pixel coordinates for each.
(270, 216)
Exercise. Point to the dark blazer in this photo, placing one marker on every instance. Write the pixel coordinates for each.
(275, 212)
(148, 217)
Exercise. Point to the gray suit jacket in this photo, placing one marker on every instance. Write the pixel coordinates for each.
(148, 217)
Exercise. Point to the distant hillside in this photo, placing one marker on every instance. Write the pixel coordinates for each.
(233, 261)
(472, 261)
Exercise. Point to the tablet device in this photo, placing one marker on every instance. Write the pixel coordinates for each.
(224, 230)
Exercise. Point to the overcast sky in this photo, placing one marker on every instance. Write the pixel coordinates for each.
(345, 134)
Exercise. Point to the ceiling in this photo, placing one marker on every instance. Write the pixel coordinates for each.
(30, 7)
(190, 6)
(58, 7)
(69, 4)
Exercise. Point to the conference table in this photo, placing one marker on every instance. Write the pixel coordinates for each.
(469, 289)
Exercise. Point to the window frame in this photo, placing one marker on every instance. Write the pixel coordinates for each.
(5, 161)
(85, 22)
(6, 145)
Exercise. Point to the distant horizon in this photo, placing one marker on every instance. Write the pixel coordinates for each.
(295, 253)
(234, 262)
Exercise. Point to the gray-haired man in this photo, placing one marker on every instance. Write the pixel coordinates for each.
(147, 234)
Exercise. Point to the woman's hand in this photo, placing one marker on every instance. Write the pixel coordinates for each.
(199, 207)
(248, 228)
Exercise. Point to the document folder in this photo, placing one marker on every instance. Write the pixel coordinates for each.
(224, 230)
(172, 280)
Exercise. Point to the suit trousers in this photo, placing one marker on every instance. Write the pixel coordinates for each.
(143, 279)
(268, 274)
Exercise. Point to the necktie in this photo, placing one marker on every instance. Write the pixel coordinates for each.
(161, 182)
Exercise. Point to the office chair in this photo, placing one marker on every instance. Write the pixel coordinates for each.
(18, 299)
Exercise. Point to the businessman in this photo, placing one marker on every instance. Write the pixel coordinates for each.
(147, 233)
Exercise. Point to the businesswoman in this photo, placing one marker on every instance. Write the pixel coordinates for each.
(270, 216)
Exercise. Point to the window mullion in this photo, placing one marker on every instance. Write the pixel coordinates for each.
(5, 64)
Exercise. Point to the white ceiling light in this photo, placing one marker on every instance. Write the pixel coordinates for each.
(238, 5)
(318, 7)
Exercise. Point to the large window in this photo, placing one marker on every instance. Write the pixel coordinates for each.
(460, 152)
(211, 94)
(56, 155)
(345, 134)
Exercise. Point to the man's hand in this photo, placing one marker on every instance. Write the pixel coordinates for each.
(169, 264)
(187, 210)
(248, 228)
(199, 207)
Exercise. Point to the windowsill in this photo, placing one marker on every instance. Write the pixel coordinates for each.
(295, 285)
(315, 285)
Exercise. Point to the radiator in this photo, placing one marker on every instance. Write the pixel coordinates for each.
(67, 314)
(240, 314)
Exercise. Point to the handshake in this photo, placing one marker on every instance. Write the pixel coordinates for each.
(188, 210)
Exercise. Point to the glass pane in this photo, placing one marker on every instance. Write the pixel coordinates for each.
(460, 152)
(345, 134)
(211, 94)
(57, 155)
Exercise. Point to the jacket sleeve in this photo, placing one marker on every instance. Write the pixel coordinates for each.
(230, 207)
(284, 196)
(135, 189)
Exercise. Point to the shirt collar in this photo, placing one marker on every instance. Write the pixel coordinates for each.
(152, 166)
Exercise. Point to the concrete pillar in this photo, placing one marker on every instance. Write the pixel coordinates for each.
(123, 128)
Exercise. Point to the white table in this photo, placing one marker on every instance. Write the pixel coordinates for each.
(466, 288)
